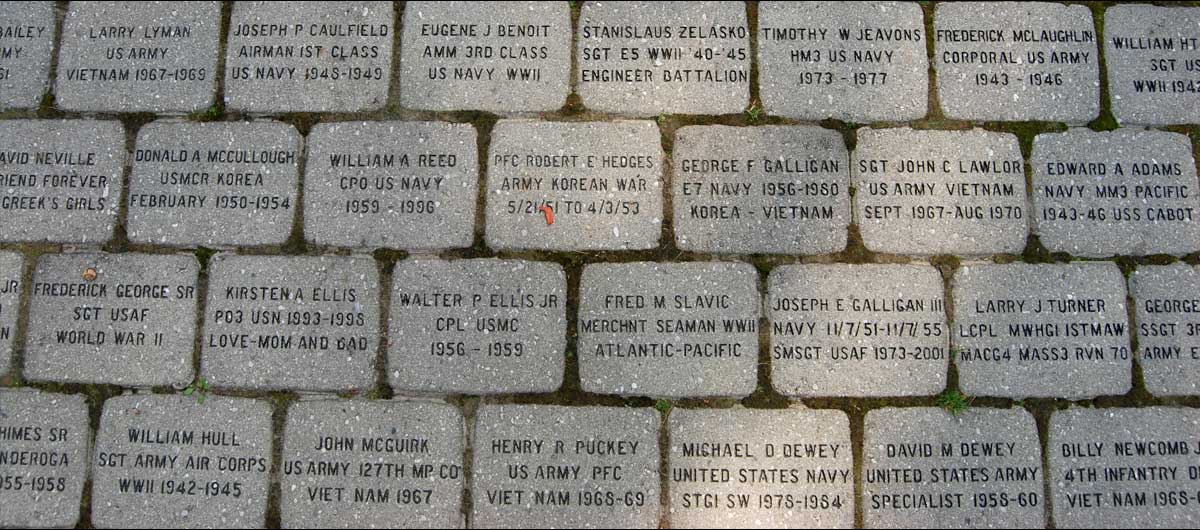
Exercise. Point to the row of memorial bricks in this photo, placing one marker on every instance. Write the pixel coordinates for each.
(599, 264)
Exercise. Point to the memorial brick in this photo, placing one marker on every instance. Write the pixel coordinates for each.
(43, 458)
(291, 322)
(858, 330)
(309, 56)
(26, 43)
(1051, 330)
(477, 326)
(410, 185)
(774, 468)
(12, 269)
(851, 61)
(213, 184)
(926, 468)
(493, 56)
(132, 324)
(1100, 194)
(1167, 299)
(61, 180)
(1150, 53)
(940, 192)
(570, 467)
(1125, 468)
(1017, 61)
(168, 461)
(648, 58)
(669, 329)
(574, 186)
(139, 56)
(372, 464)
(770, 189)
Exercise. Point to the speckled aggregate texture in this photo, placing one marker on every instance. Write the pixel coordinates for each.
(291, 322)
(197, 465)
(349, 72)
(214, 184)
(1167, 299)
(770, 189)
(602, 183)
(133, 325)
(477, 326)
(391, 184)
(927, 468)
(939, 192)
(139, 56)
(669, 329)
(12, 268)
(46, 445)
(26, 70)
(63, 180)
(600, 264)
(1124, 192)
(1150, 52)
(796, 471)
(493, 56)
(399, 464)
(646, 58)
(1144, 458)
(858, 330)
(1017, 61)
(852, 61)
(1052, 330)
(604, 459)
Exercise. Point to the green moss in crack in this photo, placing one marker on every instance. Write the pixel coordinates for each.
(204, 254)
(663, 406)
(1106, 122)
(47, 102)
(212, 114)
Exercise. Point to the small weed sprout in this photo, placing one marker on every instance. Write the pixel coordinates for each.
(754, 112)
(954, 402)
(955, 352)
(199, 389)
(662, 406)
